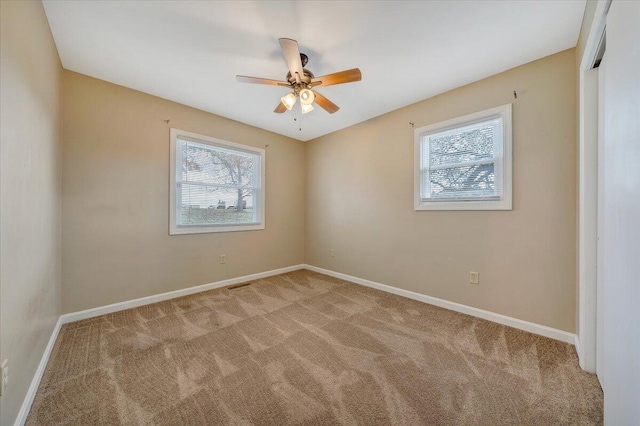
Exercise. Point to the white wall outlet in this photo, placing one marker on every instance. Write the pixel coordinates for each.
(4, 377)
(474, 277)
(333, 253)
(223, 259)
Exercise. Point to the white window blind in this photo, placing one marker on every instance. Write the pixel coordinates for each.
(463, 161)
(216, 186)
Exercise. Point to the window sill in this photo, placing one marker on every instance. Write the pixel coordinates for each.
(463, 205)
(182, 230)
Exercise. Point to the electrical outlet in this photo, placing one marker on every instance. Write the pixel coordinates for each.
(223, 259)
(474, 277)
(333, 253)
(4, 379)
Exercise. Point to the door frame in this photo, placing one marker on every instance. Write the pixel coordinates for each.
(586, 340)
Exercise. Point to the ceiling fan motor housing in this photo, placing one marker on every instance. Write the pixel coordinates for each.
(305, 78)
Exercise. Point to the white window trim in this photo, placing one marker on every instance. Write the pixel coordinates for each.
(505, 202)
(174, 228)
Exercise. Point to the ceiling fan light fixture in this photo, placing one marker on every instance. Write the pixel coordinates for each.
(306, 97)
(289, 101)
(301, 81)
(306, 108)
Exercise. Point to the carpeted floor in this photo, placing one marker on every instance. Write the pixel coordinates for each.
(306, 349)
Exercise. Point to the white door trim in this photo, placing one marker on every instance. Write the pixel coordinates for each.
(600, 227)
(587, 198)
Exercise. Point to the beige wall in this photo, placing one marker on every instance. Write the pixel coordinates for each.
(116, 243)
(30, 212)
(359, 191)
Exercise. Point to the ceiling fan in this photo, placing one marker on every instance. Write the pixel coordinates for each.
(302, 81)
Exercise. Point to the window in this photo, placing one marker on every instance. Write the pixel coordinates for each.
(465, 163)
(216, 186)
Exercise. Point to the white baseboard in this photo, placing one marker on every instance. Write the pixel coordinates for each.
(542, 330)
(128, 304)
(35, 382)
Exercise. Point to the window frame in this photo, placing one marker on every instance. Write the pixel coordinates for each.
(176, 169)
(505, 162)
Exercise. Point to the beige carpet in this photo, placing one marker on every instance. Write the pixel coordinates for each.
(306, 349)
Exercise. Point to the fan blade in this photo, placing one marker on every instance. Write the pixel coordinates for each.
(258, 80)
(292, 56)
(341, 77)
(280, 108)
(325, 103)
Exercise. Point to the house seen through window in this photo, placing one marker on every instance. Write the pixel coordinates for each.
(216, 185)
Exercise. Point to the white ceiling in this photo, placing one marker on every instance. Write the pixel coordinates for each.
(190, 51)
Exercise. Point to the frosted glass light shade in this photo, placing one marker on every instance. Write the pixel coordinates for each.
(306, 97)
(289, 101)
(306, 108)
